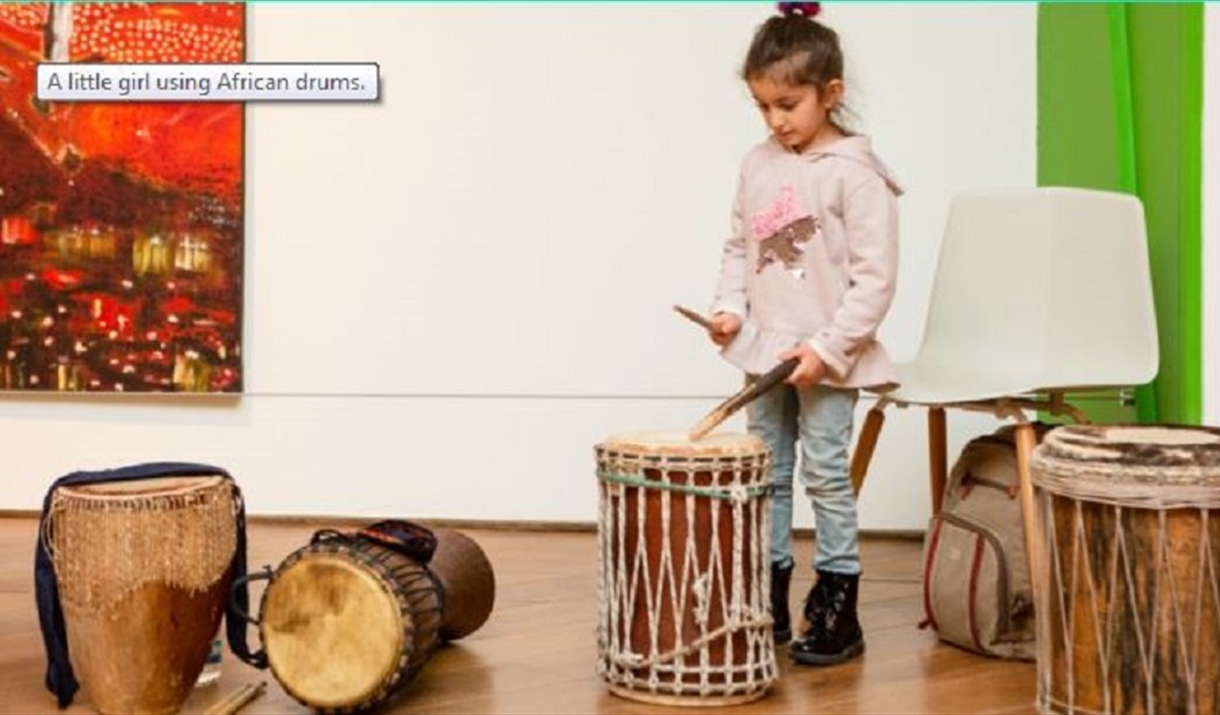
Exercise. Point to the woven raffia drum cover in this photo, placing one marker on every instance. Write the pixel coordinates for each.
(144, 569)
(1128, 603)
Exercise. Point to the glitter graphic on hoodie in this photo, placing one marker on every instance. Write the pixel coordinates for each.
(782, 232)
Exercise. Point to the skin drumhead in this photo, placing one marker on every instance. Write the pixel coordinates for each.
(141, 488)
(1153, 446)
(332, 630)
(679, 444)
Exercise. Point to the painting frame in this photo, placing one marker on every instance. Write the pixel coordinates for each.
(122, 225)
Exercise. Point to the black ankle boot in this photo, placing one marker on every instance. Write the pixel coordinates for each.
(834, 634)
(815, 604)
(781, 580)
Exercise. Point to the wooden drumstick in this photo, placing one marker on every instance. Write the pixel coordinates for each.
(750, 392)
(238, 700)
(693, 317)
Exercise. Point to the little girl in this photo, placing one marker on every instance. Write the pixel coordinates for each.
(809, 272)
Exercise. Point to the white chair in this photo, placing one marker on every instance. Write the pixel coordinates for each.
(1039, 293)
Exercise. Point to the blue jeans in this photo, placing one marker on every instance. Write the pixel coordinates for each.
(820, 420)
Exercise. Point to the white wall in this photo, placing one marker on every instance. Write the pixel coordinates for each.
(1211, 214)
(454, 294)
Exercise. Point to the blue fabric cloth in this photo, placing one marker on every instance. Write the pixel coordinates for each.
(60, 679)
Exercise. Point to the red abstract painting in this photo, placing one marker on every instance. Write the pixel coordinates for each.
(121, 224)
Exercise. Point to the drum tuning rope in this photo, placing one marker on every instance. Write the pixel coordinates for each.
(1129, 591)
(685, 602)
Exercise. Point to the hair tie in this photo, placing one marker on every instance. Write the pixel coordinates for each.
(808, 9)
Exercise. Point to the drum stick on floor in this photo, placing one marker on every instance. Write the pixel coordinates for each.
(750, 392)
(238, 700)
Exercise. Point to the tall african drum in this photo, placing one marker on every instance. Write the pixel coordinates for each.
(1128, 602)
(684, 569)
(143, 569)
(349, 620)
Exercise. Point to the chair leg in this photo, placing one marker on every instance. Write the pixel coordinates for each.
(865, 446)
(937, 455)
(1026, 439)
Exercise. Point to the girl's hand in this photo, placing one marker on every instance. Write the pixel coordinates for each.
(809, 371)
(725, 327)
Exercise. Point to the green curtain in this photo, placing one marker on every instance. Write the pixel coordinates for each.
(1120, 104)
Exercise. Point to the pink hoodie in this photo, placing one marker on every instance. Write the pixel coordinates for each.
(813, 257)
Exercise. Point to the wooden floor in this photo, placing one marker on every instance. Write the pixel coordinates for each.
(537, 652)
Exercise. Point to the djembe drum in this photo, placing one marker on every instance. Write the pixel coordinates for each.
(143, 569)
(1128, 603)
(683, 569)
(349, 620)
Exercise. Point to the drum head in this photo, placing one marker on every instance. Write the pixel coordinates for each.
(1134, 455)
(1122, 445)
(142, 488)
(678, 444)
(332, 629)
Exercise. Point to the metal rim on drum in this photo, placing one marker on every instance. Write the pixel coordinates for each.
(327, 656)
(709, 642)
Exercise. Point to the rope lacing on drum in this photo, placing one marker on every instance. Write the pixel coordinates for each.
(1120, 607)
(736, 493)
(688, 587)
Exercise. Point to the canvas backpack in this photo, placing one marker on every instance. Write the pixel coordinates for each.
(976, 589)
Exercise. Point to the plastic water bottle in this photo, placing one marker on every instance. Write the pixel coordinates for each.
(211, 667)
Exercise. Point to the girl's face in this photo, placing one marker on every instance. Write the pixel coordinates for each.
(798, 115)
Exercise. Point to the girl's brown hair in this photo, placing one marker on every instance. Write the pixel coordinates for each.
(796, 49)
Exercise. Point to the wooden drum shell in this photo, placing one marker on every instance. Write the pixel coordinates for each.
(143, 584)
(348, 623)
(1128, 603)
(468, 581)
(689, 567)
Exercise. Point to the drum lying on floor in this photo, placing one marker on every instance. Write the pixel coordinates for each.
(683, 569)
(348, 621)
